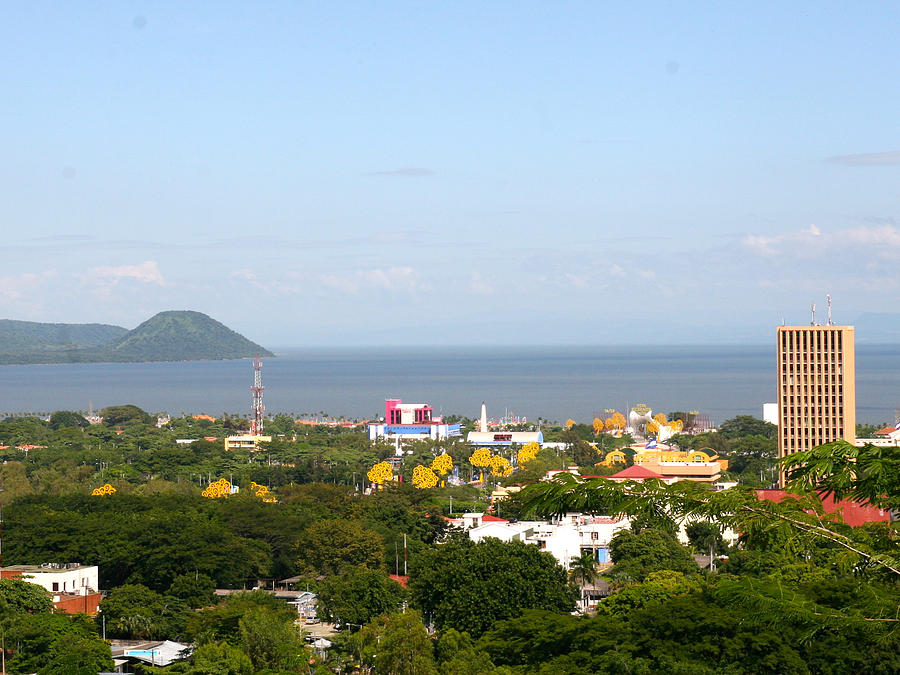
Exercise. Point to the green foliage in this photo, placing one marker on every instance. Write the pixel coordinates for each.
(195, 590)
(135, 611)
(397, 644)
(456, 654)
(651, 550)
(867, 474)
(357, 595)
(271, 640)
(116, 415)
(469, 586)
(704, 535)
(78, 655)
(747, 425)
(672, 625)
(18, 597)
(36, 640)
(222, 621)
(212, 658)
(328, 546)
(67, 418)
(148, 540)
(656, 588)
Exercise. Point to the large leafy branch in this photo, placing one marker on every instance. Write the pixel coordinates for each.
(799, 521)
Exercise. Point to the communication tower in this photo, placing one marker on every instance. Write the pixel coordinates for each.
(257, 409)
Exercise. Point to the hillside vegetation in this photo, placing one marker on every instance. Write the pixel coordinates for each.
(167, 336)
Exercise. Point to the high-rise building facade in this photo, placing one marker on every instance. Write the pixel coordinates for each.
(816, 386)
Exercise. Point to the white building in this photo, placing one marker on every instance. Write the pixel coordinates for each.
(67, 578)
(564, 538)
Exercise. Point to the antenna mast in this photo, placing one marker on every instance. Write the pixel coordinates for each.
(257, 409)
(828, 299)
(813, 308)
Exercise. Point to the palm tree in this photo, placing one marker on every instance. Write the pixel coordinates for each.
(583, 571)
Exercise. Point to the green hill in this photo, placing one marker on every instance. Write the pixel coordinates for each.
(31, 337)
(167, 336)
(181, 336)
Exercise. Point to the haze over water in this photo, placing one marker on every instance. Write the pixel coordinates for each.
(551, 382)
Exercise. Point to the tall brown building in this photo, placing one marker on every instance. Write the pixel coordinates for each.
(816, 386)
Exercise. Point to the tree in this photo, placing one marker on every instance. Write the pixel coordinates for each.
(456, 654)
(583, 570)
(116, 415)
(18, 597)
(357, 596)
(656, 588)
(196, 590)
(79, 655)
(398, 644)
(222, 622)
(328, 546)
(868, 474)
(747, 425)
(637, 555)
(135, 611)
(67, 418)
(705, 536)
(216, 658)
(270, 640)
(469, 586)
(37, 638)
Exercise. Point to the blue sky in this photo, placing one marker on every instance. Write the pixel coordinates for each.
(451, 173)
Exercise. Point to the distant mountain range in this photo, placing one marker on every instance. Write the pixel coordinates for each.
(167, 336)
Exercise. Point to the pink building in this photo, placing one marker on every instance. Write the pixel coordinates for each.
(398, 412)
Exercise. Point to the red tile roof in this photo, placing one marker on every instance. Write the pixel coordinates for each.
(635, 473)
(853, 513)
(492, 519)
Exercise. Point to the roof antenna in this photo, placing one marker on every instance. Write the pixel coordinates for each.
(828, 298)
(813, 322)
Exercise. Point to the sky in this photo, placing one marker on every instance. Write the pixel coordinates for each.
(377, 173)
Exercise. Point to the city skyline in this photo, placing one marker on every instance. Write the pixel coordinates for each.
(408, 174)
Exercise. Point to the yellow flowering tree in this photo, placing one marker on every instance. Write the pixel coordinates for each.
(381, 473)
(217, 490)
(103, 491)
(528, 452)
(262, 492)
(442, 464)
(500, 466)
(598, 425)
(423, 477)
(480, 458)
(570, 423)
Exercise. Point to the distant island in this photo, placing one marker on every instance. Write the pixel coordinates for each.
(167, 336)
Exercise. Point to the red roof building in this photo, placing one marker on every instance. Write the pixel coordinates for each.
(852, 513)
(637, 473)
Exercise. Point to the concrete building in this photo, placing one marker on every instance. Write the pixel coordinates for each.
(246, 442)
(484, 437)
(694, 465)
(816, 386)
(74, 587)
(411, 422)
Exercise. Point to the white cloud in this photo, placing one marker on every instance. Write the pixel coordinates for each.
(146, 272)
(868, 159)
(23, 285)
(881, 241)
(399, 279)
(479, 285)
